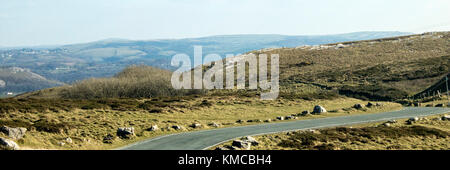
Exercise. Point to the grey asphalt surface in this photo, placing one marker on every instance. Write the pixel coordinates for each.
(206, 138)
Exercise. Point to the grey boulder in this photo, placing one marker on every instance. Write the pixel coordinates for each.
(125, 132)
(14, 133)
(241, 144)
(318, 110)
(6, 144)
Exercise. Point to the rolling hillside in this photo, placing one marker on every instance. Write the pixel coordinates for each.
(381, 69)
(16, 80)
(105, 58)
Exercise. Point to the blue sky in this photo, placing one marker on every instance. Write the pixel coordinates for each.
(51, 22)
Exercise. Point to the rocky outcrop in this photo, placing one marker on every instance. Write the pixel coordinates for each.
(14, 133)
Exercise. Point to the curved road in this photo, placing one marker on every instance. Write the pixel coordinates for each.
(207, 138)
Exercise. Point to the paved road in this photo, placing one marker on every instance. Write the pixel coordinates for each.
(207, 138)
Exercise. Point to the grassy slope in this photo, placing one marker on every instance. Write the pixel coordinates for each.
(18, 80)
(391, 68)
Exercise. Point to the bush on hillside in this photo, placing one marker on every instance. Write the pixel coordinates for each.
(132, 82)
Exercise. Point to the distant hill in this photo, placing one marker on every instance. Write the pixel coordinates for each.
(387, 69)
(16, 80)
(382, 69)
(105, 58)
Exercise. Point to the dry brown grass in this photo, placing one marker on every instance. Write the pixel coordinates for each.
(427, 134)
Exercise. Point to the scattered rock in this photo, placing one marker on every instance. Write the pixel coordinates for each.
(370, 104)
(69, 140)
(61, 143)
(239, 121)
(387, 124)
(176, 127)
(268, 120)
(319, 110)
(280, 118)
(289, 117)
(153, 128)
(340, 46)
(305, 113)
(14, 133)
(391, 121)
(311, 131)
(429, 105)
(241, 144)
(214, 124)
(251, 140)
(445, 117)
(6, 144)
(358, 106)
(412, 120)
(125, 132)
(436, 119)
(416, 104)
(196, 125)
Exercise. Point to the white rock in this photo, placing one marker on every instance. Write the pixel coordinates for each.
(6, 144)
(69, 140)
(153, 128)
